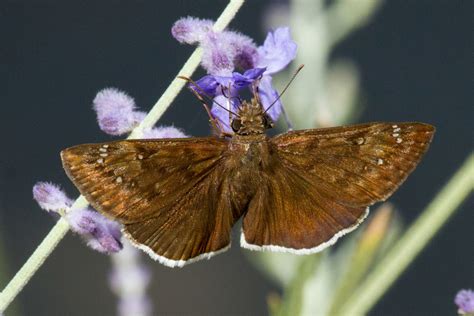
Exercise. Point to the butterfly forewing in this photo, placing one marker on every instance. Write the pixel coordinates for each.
(169, 194)
(359, 164)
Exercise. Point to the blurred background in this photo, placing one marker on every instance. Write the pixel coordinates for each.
(412, 61)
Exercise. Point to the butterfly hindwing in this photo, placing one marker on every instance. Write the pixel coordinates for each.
(289, 214)
(323, 181)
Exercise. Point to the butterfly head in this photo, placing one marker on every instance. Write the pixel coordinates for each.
(251, 120)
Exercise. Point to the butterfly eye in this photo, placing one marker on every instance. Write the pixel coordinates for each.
(267, 121)
(236, 125)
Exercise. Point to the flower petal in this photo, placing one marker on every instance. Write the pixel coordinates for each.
(254, 73)
(277, 51)
(208, 84)
(221, 114)
(268, 95)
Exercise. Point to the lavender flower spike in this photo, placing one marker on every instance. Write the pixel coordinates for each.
(218, 54)
(129, 280)
(116, 111)
(465, 302)
(191, 30)
(100, 233)
(222, 51)
(50, 197)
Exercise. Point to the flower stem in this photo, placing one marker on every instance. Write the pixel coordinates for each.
(413, 241)
(33, 263)
(61, 228)
(37, 258)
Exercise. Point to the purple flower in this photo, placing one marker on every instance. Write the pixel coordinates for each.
(221, 114)
(240, 81)
(191, 30)
(244, 48)
(100, 233)
(223, 52)
(268, 95)
(218, 87)
(218, 54)
(50, 197)
(465, 301)
(207, 84)
(277, 51)
(116, 111)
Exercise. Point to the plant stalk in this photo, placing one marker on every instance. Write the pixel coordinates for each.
(413, 241)
(55, 235)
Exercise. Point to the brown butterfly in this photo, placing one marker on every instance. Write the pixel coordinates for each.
(297, 192)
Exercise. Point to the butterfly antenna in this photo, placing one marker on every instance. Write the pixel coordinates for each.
(287, 85)
(202, 94)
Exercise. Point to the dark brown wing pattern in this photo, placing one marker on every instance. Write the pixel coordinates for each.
(170, 194)
(323, 181)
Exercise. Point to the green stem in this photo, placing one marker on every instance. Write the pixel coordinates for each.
(413, 241)
(50, 242)
(37, 258)
(33, 263)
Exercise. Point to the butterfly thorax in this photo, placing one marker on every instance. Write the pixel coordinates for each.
(251, 120)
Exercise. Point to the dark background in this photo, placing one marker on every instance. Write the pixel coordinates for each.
(416, 63)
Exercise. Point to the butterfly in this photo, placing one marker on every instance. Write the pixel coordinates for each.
(297, 192)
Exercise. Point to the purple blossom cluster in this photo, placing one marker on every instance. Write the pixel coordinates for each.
(117, 114)
(465, 301)
(100, 233)
(227, 51)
